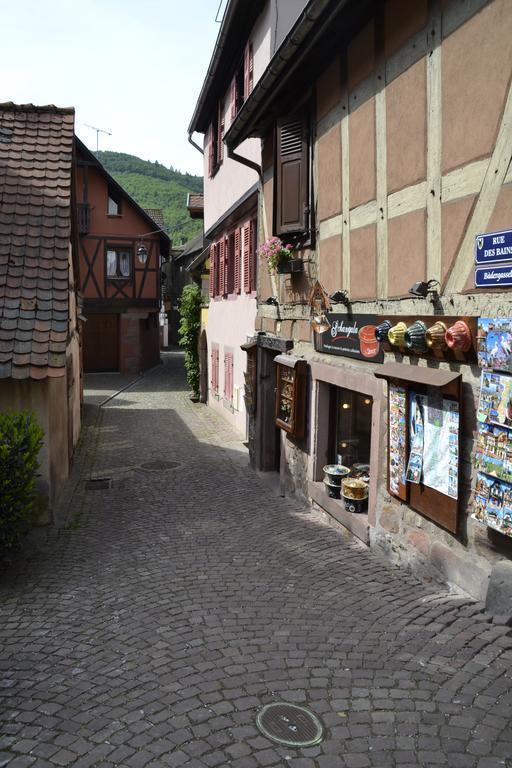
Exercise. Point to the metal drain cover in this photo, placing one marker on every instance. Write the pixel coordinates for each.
(159, 466)
(290, 725)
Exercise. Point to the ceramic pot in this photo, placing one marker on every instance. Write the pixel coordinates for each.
(415, 337)
(458, 337)
(435, 336)
(334, 473)
(356, 506)
(381, 331)
(333, 491)
(368, 344)
(396, 335)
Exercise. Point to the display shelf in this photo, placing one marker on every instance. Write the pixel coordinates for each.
(291, 394)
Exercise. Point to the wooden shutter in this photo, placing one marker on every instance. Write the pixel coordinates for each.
(222, 267)
(237, 261)
(253, 260)
(212, 270)
(230, 263)
(233, 98)
(220, 132)
(248, 70)
(215, 370)
(247, 276)
(292, 200)
(228, 376)
(210, 149)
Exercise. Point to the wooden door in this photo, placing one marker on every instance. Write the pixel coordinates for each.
(101, 343)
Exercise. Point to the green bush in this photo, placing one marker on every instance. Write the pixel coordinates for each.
(21, 439)
(188, 332)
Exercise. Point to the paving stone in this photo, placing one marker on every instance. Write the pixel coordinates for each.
(151, 628)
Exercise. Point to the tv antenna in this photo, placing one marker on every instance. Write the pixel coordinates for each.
(98, 131)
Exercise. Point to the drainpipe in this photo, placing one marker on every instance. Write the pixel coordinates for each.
(191, 141)
(245, 161)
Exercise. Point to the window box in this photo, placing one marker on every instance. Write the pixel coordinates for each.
(291, 266)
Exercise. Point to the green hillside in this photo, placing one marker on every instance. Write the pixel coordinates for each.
(152, 185)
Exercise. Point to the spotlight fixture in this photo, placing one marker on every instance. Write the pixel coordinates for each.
(423, 289)
(340, 297)
(272, 300)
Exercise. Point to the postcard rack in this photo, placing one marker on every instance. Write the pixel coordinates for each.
(429, 391)
(291, 394)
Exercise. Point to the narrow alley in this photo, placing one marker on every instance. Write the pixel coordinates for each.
(180, 596)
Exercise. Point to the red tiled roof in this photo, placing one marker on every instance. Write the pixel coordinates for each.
(36, 153)
(157, 216)
(195, 201)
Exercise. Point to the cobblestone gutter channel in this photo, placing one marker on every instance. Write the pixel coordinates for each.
(152, 628)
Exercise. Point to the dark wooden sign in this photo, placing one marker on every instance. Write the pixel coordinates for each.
(350, 336)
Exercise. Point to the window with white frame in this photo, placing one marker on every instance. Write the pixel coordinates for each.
(119, 263)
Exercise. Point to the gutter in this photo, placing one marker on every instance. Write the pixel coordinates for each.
(289, 55)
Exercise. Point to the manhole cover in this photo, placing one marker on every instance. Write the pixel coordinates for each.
(99, 483)
(290, 725)
(159, 466)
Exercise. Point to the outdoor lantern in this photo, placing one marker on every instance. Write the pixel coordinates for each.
(396, 335)
(458, 337)
(435, 336)
(320, 323)
(142, 253)
(415, 337)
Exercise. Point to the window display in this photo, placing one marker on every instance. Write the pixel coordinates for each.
(353, 427)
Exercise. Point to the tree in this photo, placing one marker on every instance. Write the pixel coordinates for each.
(188, 332)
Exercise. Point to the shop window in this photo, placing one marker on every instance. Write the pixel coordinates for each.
(352, 427)
(119, 263)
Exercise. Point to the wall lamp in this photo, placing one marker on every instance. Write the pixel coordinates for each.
(340, 297)
(423, 289)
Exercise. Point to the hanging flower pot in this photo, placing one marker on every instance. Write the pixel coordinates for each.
(435, 337)
(288, 266)
(396, 335)
(458, 337)
(415, 337)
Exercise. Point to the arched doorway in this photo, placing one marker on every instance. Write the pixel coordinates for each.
(203, 368)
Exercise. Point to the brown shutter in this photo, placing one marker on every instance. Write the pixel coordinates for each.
(253, 260)
(247, 277)
(212, 270)
(291, 209)
(237, 260)
(251, 69)
(210, 148)
(220, 133)
(222, 267)
(233, 98)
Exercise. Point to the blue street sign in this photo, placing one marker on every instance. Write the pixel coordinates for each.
(493, 276)
(493, 246)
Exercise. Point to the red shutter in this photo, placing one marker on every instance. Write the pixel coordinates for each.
(215, 370)
(246, 72)
(220, 132)
(212, 270)
(233, 98)
(230, 263)
(210, 149)
(292, 206)
(247, 276)
(237, 260)
(222, 267)
(253, 259)
(228, 376)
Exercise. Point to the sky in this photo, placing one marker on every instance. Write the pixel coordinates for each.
(131, 67)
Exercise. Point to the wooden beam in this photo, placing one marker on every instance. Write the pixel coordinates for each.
(381, 155)
(345, 173)
(434, 138)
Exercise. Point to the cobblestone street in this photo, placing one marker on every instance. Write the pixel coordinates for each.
(150, 627)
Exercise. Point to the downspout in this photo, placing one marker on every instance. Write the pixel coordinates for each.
(245, 161)
(191, 141)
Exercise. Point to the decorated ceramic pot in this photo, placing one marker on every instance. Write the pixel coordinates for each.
(435, 336)
(334, 473)
(458, 337)
(415, 337)
(356, 506)
(382, 330)
(396, 335)
(333, 491)
(354, 488)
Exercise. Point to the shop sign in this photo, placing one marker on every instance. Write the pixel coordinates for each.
(350, 336)
(493, 246)
(493, 276)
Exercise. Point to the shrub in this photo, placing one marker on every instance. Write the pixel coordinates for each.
(21, 439)
(188, 332)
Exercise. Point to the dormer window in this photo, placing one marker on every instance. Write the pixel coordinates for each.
(113, 203)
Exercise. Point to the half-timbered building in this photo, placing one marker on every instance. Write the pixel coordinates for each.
(121, 251)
